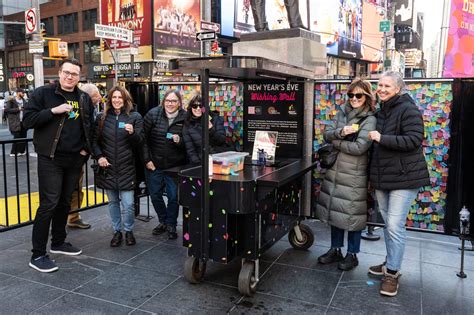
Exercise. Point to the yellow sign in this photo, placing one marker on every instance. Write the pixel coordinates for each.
(57, 49)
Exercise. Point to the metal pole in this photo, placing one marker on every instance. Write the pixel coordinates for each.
(443, 37)
(205, 165)
(115, 62)
(385, 49)
(37, 58)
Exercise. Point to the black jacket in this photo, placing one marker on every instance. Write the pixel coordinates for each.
(12, 110)
(164, 153)
(398, 161)
(114, 143)
(48, 126)
(193, 138)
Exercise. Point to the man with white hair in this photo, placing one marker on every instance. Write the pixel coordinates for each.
(74, 220)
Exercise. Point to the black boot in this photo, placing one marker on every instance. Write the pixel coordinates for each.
(116, 240)
(172, 234)
(333, 255)
(349, 262)
(129, 238)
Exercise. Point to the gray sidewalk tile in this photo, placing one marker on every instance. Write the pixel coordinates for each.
(73, 271)
(127, 285)
(450, 257)
(77, 304)
(20, 296)
(303, 284)
(182, 297)
(266, 304)
(228, 274)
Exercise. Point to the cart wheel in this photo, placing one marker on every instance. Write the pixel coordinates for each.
(194, 269)
(247, 282)
(306, 241)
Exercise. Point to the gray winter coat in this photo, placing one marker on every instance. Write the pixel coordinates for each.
(343, 199)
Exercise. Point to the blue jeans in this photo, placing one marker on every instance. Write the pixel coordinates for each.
(353, 239)
(127, 199)
(394, 206)
(156, 180)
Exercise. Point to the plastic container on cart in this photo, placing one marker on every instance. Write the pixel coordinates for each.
(226, 163)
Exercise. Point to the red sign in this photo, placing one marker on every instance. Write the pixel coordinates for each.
(30, 21)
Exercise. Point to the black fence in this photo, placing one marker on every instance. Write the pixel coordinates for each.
(19, 196)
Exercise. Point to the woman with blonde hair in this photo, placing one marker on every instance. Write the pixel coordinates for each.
(118, 131)
(342, 202)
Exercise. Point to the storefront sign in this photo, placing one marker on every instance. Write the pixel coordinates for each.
(2, 73)
(275, 106)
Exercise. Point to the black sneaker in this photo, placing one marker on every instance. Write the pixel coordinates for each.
(43, 264)
(332, 255)
(159, 229)
(349, 262)
(129, 238)
(65, 249)
(172, 234)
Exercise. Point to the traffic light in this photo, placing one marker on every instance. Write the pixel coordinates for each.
(42, 31)
(101, 46)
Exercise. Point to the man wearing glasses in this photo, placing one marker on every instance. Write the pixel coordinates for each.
(62, 117)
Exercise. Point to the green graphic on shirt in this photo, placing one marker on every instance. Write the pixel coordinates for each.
(74, 113)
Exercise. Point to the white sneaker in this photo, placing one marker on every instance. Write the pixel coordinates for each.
(24, 153)
(12, 155)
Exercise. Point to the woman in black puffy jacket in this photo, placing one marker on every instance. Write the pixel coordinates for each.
(192, 131)
(118, 131)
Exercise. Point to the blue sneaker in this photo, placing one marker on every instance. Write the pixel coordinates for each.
(43, 264)
(66, 249)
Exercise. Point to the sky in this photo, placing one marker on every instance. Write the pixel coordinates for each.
(433, 10)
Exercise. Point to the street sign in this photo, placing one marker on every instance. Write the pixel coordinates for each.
(205, 35)
(113, 32)
(30, 21)
(36, 47)
(384, 26)
(210, 26)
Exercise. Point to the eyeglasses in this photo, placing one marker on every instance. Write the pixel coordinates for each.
(70, 74)
(196, 105)
(171, 101)
(357, 95)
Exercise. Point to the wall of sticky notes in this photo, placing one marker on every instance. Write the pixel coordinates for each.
(434, 99)
(226, 99)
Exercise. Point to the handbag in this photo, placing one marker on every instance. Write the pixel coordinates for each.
(327, 153)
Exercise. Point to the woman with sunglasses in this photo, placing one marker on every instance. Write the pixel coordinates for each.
(192, 131)
(164, 148)
(118, 131)
(342, 201)
(398, 170)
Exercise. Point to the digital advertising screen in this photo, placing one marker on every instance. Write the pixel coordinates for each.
(175, 25)
(130, 14)
(459, 57)
(372, 38)
(350, 29)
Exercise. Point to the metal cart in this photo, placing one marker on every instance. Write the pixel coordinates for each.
(244, 214)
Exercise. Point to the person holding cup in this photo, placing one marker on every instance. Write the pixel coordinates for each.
(164, 148)
(342, 201)
(118, 132)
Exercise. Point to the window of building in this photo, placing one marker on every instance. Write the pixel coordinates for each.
(73, 50)
(15, 35)
(89, 18)
(48, 25)
(91, 52)
(68, 2)
(67, 23)
(48, 63)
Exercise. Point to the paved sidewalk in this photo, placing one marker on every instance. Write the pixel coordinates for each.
(148, 278)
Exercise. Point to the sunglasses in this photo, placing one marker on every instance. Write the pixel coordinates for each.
(357, 95)
(196, 105)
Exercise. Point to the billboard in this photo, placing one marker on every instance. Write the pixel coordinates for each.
(403, 12)
(237, 18)
(339, 23)
(175, 25)
(372, 39)
(350, 29)
(459, 58)
(134, 15)
(323, 17)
